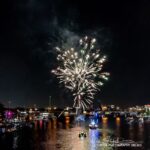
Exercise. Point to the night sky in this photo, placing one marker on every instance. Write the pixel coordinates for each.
(30, 29)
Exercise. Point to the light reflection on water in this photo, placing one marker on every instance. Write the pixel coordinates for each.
(55, 135)
(65, 137)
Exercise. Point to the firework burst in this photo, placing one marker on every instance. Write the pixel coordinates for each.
(81, 71)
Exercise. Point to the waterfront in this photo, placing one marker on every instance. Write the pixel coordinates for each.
(63, 135)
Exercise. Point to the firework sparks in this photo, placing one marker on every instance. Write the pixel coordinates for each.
(81, 71)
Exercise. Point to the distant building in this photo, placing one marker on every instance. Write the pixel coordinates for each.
(104, 108)
(147, 109)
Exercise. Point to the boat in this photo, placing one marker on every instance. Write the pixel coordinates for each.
(130, 120)
(93, 125)
(141, 120)
(82, 134)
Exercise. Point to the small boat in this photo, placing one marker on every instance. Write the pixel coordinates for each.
(93, 125)
(82, 134)
(140, 120)
(130, 120)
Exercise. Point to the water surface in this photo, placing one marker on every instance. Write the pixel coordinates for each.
(55, 135)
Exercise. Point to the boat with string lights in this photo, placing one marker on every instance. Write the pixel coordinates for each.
(93, 125)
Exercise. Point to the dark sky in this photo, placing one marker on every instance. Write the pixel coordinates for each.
(30, 29)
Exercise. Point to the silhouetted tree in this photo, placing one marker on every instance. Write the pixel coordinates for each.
(2, 108)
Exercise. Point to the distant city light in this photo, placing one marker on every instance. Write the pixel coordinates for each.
(9, 114)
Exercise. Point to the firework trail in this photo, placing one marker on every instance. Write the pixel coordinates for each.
(81, 71)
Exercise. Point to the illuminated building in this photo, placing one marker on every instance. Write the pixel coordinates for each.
(147, 109)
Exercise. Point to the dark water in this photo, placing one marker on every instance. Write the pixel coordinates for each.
(55, 135)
